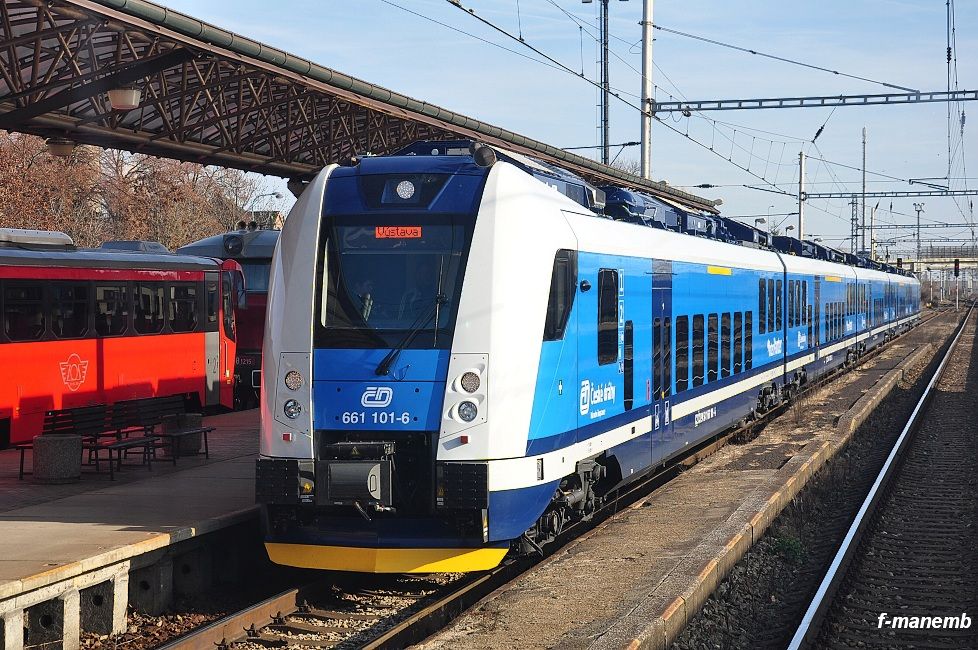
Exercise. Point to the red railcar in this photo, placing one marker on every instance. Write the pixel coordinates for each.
(85, 326)
(252, 249)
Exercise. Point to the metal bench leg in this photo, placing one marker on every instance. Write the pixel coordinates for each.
(174, 449)
(146, 460)
(207, 450)
(21, 475)
(112, 467)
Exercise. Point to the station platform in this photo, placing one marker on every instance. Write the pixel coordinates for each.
(635, 580)
(68, 552)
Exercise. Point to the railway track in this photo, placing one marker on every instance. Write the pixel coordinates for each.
(911, 551)
(396, 611)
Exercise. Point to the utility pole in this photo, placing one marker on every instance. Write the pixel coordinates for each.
(872, 237)
(864, 190)
(605, 85)
(801, 196)
(919, 207)
(647, 99)
(854, 223)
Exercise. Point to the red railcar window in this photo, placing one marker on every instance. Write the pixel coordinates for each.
(211, 302)
(183, 307)
(70, 310)
(148, 308)
(227, 304)
(111, 309)
(23, 312)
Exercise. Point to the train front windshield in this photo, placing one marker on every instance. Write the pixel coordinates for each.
(382, 282)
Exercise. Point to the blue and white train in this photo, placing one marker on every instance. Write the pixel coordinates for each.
(465, 349)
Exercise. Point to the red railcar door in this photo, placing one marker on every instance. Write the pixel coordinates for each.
(212, 354)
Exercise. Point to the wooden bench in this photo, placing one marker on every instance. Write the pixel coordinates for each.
(92, 423)
(120, 446)
(151, 414)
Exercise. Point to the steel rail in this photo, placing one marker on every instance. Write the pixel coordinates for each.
(811, 621)
(235, 627)
(466, 593)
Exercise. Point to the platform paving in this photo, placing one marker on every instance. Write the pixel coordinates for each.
(635, 580)
(58, 537)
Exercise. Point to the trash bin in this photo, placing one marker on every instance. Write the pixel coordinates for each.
(186, 445)
(57, 458)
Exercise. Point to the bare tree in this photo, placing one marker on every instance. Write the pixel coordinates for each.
(44, 192)
(628, 166)
(95, 195)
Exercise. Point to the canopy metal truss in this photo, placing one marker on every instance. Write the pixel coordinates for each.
(910, 226)
(217, 98)
(940, 255)
(888, 194)
(814, 102)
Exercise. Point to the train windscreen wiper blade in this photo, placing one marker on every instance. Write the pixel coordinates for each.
(384, 367)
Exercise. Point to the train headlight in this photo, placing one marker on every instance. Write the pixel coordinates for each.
(470, 382)
(467, 411)
(405, 190)
(293, 380)
(292, 409)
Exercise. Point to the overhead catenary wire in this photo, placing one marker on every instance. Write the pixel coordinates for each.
(551, 62)
(565, 68)
(585, 28)
(781, 58)
(477, 37)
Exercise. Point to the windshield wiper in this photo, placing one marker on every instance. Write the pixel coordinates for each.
(384, 367)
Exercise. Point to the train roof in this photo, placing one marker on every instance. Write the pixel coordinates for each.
(632, 206)
(237, 245)
(134, 245)
(55, 251)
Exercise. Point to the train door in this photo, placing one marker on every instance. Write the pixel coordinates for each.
(818, 311)
(212, 344)
(232, 292)
(601, 342)
(661, 357)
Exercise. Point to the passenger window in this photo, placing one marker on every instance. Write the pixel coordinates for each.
(770, 306)
(698, 333)
(738, 338)
(629, 364)
(23, 312)
(804, 301)
(227, 305)
(111, 309)
(656, 358)
(682, 353)
(563, 286)
(607, 316)
(749, 342)
(797, 303)
(70, 310)
(791, 303)
(183, 307)
(778, 306)
(761, 302)
(713, 347)
(666, 357)
(725, 345)
(211, 303)
(148, 308)
(808, 317)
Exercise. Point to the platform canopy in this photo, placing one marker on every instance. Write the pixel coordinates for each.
(214, 97)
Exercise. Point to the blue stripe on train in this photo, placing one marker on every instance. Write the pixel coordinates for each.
(348, 394)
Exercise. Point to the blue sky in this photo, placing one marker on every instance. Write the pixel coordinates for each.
(896, 41)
